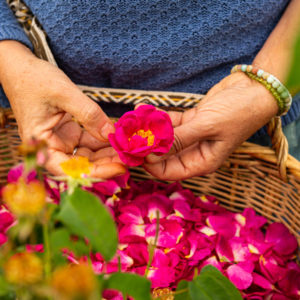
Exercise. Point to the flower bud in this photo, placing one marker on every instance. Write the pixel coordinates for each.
(74, 282)
(24, 199)
(23, 268)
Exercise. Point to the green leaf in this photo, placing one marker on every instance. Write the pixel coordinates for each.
(211, 284)
(293, 81)
(182, 290)
(86, 216)
(130, 284)
(61, 238)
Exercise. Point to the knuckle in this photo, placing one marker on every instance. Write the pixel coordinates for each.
(177, 144)
(57, 91)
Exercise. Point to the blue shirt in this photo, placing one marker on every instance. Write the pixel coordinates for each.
(175, 45)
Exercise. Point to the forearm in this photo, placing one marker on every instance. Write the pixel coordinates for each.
(12, 53)
(275, 55)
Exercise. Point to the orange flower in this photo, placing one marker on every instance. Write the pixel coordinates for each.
(74, 282)
(76, 167)
(23, 268)
(25, 198)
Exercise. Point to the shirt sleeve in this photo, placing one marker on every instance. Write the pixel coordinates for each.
(9, 26)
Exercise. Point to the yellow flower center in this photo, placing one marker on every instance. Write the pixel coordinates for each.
(146, 134)
(76, 167)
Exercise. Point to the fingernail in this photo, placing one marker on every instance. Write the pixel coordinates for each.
(106, 130)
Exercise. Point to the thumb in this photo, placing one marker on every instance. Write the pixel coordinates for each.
(88, 113)
(185, 135)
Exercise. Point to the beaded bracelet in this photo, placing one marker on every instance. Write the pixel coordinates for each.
(278, 90)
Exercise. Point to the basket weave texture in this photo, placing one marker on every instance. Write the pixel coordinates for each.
(253, 176)
(248, 178)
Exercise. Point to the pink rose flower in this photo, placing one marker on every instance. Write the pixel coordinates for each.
(141, 132)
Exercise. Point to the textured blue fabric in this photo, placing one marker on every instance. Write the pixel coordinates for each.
(175, 45)
(9, 27)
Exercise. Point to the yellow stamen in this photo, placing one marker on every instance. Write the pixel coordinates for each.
(76, 167)
(146, 134)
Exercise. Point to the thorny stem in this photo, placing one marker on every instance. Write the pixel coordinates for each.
(152, 247)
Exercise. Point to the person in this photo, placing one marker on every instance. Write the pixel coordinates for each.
(182, 45)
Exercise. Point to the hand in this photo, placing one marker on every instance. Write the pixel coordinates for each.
(205, 136)
(44, 100)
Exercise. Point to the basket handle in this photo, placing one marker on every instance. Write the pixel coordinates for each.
(279, 144)
(38, 37)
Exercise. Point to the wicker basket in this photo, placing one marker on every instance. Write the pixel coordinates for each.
(250, 177)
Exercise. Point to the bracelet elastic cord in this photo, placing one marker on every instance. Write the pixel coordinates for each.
(277, 89)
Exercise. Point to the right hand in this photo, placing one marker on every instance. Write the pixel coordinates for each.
(44, 100)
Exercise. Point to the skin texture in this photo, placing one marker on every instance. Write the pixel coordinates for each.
(44, 100)
(230, 113)
(207, 134)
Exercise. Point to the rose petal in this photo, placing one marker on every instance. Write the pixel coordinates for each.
(284, 242)
(239, 277)
(262, 282)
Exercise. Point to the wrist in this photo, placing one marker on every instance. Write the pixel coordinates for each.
(262, 99)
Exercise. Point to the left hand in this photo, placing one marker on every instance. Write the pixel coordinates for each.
(106, 162)
(205, 136)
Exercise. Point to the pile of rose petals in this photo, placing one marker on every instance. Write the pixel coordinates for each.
(196, 231)
(193, 232)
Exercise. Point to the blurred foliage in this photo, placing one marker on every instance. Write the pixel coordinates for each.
(293, 80)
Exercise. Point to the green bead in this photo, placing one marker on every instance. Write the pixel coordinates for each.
(244, 68)
(260, 73)
(280, 89)
(275, 84)
(270, 79)
(284, 94)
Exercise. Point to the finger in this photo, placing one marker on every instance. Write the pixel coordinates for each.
(104, 168)
(197, 160)
(83, 151)
(193, 161)
(176, 117)
(185, 135)
(109, 151)
(87, 112)
(103, 155)
(55, 158)
(104, 152)
(107, 170)
(66, 137)
(88, 141)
